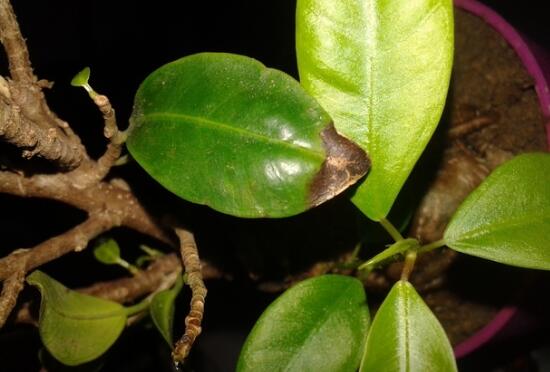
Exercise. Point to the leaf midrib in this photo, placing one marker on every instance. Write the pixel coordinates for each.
(492, 228)
(114, 313)
(200, 121)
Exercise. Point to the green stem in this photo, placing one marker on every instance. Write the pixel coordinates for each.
(431, 246)
(388, 226)
(408, 267)
(394, 249)
(128, 266)
(138, 308)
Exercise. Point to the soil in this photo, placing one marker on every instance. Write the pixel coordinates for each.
(493, 114)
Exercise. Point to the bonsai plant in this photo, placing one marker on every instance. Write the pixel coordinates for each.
(225, 131)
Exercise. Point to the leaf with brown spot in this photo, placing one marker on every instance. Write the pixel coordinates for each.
(225, 131)
(344, 165)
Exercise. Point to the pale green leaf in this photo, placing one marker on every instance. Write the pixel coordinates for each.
(75, 328)
(107, 252)
(81, 79)
(162, 310)
(405, 336)
(507, 218)
(381, 69)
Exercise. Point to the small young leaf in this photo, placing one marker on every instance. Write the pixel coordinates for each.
(75, 328)
(381, 70)
(81, 79)
(162, 310)
(141, 261)
(107, 252)
(317, 325)
(225, 131)
(507, 218)
(405, 336)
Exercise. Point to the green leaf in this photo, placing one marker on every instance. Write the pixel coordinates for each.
(405, 336)
(107, 252)
(50, 364)
(225, 131)
(75, 328)
(162, 310)
(317, 325)
(381, 69)
(81, 79)
(507, 218)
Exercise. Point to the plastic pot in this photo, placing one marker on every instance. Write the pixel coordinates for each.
(534, 61)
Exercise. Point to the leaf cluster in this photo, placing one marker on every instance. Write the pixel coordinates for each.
(225, 131)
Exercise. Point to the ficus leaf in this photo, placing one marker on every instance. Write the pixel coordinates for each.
(50, 364)
(162, 310)
(317, 325)
(107, 252)
(405, 336)
(507, 218)
(225, 131)
(75, 328)
(381, 69)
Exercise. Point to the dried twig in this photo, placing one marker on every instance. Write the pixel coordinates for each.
(16, 48)
(11, 288)
(75, 239)
(103, 197)
(24, 133)
(190, 257)
(25, 118)
(111, 132)
(126, 290)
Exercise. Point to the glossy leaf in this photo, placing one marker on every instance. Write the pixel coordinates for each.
(107, 252)
(381, 69)
(75, 328)
(405, 336)
(507, 218)
(317, 325)
(226, 131)
(162, 310)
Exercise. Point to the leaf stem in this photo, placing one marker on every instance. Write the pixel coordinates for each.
(431, 246)
(394, 249)
(388, 226)
(408, 267)
(128, 266)
(138, 308)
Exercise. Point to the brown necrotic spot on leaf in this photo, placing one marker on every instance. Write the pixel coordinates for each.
(344, 165)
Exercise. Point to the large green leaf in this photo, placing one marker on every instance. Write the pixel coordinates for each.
(226, 131)
(318, 325)
(507, 218)
(405, 336)
(381, 69)
(162, 310)
(75, 328)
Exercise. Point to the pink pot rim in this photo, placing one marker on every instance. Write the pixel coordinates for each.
(523, 51)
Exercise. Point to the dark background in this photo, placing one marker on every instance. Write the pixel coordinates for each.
(122, 42)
